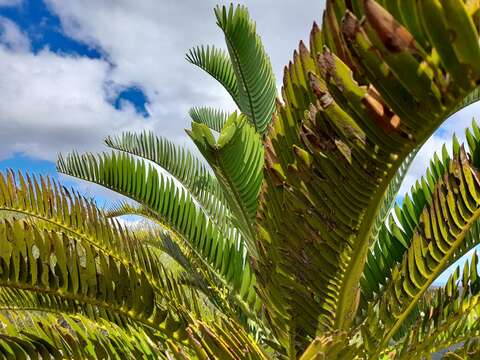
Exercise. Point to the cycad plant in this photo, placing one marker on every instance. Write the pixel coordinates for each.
(280, 242)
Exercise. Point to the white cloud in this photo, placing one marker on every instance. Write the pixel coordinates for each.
(52, 103)
(12, 37)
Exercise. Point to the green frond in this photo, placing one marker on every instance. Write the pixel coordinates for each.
(441, 230)
(253, 71)
(124, 208)
(52, 263)
(215, 119)
(394, 239)
(223, 340)
(86, 255)
(179, 163)
(30, 336)
(390, 196)
(237, 161)
(175, 208)
(56, 209)
(355, 105)
(449, 315)
(216, 62)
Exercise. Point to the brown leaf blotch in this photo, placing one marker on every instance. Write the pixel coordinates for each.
(394, 36)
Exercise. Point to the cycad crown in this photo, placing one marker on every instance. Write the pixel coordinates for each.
(280, 242)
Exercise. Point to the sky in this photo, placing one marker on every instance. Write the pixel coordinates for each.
(74, 71)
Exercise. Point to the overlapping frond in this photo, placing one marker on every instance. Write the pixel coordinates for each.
(251, 65)
(61, 269)
(394, 239)
(51, 203)
(356, 104)
(44, 336)
(441, 230)
(179, 163)
(73, 256)
(176, 210)
(213, 118)
(449, 315)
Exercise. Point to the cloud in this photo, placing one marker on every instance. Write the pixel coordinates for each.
(12, 37)
(52, 103)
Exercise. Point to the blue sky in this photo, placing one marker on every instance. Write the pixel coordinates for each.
(74, 71)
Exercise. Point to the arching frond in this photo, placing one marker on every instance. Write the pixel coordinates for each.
(73, 256)
(394, 240)
(253, 71)
(442, 227)
(176, 210)
(179, 163)
(42, 336)
(448, 316)
(66, 272)
(71, 214)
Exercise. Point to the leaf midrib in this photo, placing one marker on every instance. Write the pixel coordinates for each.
(244, 83)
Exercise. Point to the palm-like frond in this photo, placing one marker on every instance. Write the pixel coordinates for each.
(441, 230)
(394, 241)
(179, 163)
(43, 336)
(73, 255)
(65, 272)
(253, 71)
(448, 316)
(175, 209)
